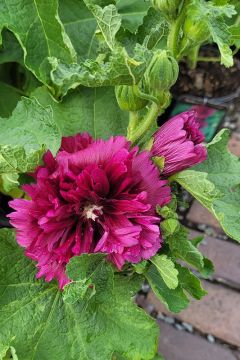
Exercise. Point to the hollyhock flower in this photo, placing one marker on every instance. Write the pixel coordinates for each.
(178, 141)
(94, 196)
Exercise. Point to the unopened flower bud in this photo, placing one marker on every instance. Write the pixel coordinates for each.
(128, 98)
(196, 31)
(167, 7)
(162, 72)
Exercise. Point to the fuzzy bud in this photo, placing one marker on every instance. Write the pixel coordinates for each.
(167, 7)
(162, 72)
(128, 99)
(196, 31)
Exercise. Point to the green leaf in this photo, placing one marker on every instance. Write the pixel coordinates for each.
(154, 30)
(37, 22)
(10, 50)
(140, 267)
(222, 37)
(158, 357)
(215, 183)
(133, 12)
(92, 275)
(183, 249)
(101, 3)
(93, 110)
(197, 240)
(169, 211)
(208, 268)
(197, 183)
(118, 69)
(235, 35)
(11, 354)
(227, 210)
(9, 97)
(109, 22)
(42, 326)
(190, 282)
(78, 20)
(214, 18)
(24, 137)
(222, 167)
(174, 299)
(170, 227)
(166, 268)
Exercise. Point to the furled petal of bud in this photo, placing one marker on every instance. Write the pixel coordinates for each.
(178, 141)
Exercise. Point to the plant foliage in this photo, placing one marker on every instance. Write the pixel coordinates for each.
(60, 61)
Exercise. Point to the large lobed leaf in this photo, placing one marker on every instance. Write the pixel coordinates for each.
(24, 137)
(108, 20)
(78, 20)
(80, 25)
(38, 29)
(36, 321)
(119, 68)
(93, 110)
(216, 184)
(9, 96)
(133, 12)
(38, 124)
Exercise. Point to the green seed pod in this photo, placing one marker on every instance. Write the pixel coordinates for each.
(196, 31)
(167, 7)
(162, 72)
(128, 99)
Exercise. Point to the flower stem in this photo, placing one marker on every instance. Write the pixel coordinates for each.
(193, 56)
(173, 37)
(145, 124)
(208, 59)
(147, 96)
(133, 122)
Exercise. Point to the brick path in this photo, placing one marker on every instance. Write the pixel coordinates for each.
(209, 329)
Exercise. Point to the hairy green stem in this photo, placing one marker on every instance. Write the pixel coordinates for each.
(209, 59)
(235, 51)
(173, 37)
(133, 123)
(213, 58)
(145, 124)
(146, 96)
(193, 56)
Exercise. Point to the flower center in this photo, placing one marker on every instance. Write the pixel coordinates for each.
(91, 211)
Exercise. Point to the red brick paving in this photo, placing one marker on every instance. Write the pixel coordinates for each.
(200, 215)
(225, 256)
(180, 345)
(218, 313)
(234, 144)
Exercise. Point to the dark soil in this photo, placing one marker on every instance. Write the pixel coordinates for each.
(209, 79)
(4, 210)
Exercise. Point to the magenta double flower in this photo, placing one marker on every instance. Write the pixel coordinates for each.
(101, 196)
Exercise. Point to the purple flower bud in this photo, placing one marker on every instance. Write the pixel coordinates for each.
(178, 141)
